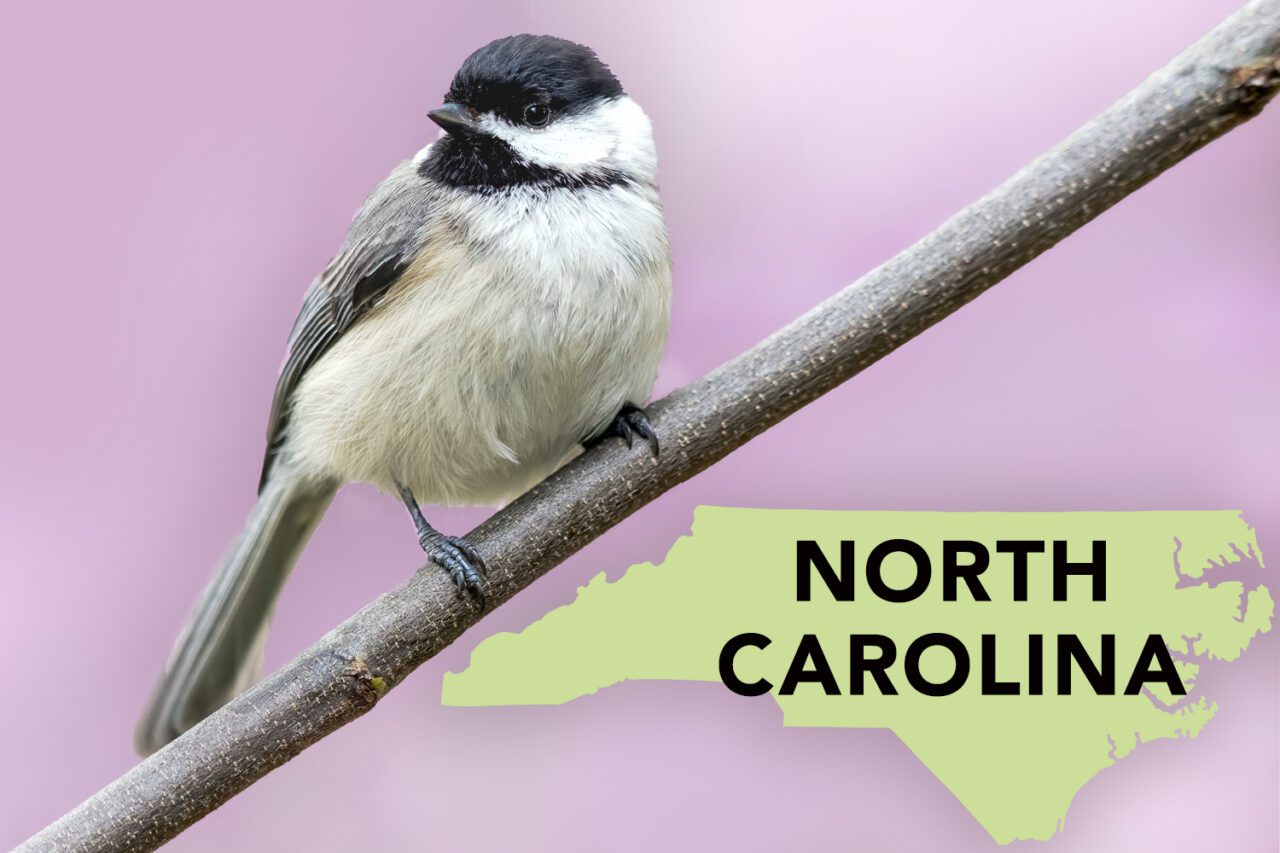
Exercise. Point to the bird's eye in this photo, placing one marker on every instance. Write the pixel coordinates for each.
(537, 115)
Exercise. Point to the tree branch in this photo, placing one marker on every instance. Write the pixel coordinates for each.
(1218, 83)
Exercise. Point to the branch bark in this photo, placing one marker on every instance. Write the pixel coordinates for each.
(1218, 83)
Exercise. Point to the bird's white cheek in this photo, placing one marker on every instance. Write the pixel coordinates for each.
(567, 145)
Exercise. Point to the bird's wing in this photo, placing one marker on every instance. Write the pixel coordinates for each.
(384, 238)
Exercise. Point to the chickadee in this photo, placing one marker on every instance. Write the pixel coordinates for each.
(500, 299)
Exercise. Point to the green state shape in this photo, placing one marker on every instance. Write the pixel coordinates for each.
(1015, 762)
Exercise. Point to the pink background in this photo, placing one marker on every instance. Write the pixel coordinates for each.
(174, 177)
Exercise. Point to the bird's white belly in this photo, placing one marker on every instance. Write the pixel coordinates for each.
(471, 385)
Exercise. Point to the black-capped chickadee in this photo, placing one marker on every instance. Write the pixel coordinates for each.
(500, 298)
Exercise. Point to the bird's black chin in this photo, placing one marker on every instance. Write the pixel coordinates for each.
(468, 157)
(478, 162)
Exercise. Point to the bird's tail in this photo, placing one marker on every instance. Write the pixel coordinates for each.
(219, 653)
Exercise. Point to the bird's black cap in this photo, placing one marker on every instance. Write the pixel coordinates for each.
(506, 75)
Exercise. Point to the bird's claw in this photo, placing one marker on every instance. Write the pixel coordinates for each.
(633, 421)
(460, 559)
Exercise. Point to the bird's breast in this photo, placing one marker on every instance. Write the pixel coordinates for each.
(523, 326)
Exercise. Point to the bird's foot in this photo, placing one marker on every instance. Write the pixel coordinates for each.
(460, 559)
(632, 421)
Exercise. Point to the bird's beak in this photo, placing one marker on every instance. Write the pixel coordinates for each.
(454, 118)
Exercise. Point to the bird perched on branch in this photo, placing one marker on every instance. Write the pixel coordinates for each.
(500, 298)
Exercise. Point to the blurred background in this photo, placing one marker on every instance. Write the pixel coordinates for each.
(174, 177)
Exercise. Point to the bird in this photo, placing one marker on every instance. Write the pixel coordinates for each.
(500, 300)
